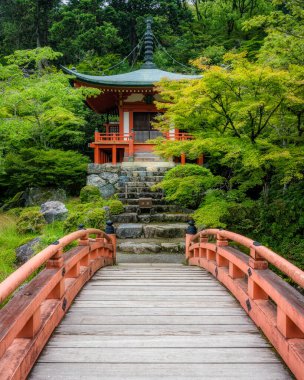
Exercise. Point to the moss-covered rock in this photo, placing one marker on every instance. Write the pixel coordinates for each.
(30, 221)
(89, 194)
(116, 206)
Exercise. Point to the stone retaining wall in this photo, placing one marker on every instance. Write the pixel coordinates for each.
(110, 178)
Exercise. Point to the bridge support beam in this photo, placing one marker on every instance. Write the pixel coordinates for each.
(32, 326)
(287, 327)
(255, 292)
(235, 272)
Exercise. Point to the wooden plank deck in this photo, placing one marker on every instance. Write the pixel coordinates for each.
(157, 321)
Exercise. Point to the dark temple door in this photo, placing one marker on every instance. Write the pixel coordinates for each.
(142, 127)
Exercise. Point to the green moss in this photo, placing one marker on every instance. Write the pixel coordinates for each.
(30, 221)
(116, 206)
(89, 194)
(89, 217)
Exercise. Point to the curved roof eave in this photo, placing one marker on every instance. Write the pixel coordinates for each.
(138, 78)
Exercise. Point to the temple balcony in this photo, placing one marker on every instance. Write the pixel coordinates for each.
(138, 137)
(116, 148)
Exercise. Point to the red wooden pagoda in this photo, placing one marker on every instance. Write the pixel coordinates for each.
(131, 96)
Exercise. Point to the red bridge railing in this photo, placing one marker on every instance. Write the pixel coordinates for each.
(275, 306)
(29, 318)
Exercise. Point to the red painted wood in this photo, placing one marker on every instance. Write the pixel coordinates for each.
(275, 306)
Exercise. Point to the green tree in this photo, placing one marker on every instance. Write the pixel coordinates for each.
(285, 33)
(24, 24)
(39, 109)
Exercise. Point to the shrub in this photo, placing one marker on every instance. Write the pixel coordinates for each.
(32, 167)
(213, 209)
(186, 184)
(89, 193)
(30, 221)
(116, 206)
(89, 217)
(95, 218)
(17, 211)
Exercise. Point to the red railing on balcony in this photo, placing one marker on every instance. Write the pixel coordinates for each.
(126, 137)
(112, 137)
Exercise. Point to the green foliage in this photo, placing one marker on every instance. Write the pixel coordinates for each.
(214, 207)
(30, 221)
(51, 168)
(14, 202)
(116, 206)
(90, 217)
(89, 194)
(15, 211)
(185, 184)
(25, 58)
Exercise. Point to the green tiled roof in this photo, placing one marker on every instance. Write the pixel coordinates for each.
(142, 77)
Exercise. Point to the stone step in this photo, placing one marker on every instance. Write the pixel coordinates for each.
(148, 231)
(126, 217)
(162, 257)
(139, 189)
(157, 208)
(133, 217)
(136, 184)
(149, 179)
(133, 195)
(152, 246)
(144, 174)
(164, 218)
(134, 201)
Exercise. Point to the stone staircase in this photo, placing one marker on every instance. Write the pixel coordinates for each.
(159, 230)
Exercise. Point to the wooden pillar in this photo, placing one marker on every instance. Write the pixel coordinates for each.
(114, 153)
(183, 158)
(102, 157)
(96, 155)
(200, 160)
(131, 145)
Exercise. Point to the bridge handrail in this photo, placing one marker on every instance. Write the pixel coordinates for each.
(292, 271)
(274, 305)
(12, 282)
(30, 317)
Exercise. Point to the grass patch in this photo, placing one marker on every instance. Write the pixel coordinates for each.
(10, 239)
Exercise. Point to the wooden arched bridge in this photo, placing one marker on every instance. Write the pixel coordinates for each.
(149, 321)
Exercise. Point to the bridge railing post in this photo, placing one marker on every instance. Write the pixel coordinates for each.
(84, 241)
(57, 262)
(258, 263)
(221, 242)
(110, 231)
(191, 230)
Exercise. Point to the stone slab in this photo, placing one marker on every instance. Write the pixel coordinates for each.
(129, 230)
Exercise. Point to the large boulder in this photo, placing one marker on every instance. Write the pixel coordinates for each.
(106, 188)
(54, 211)
(26, 251)
(109, 177)
(107, 191)
(96, 180)
(35, 196)
(129, 230)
